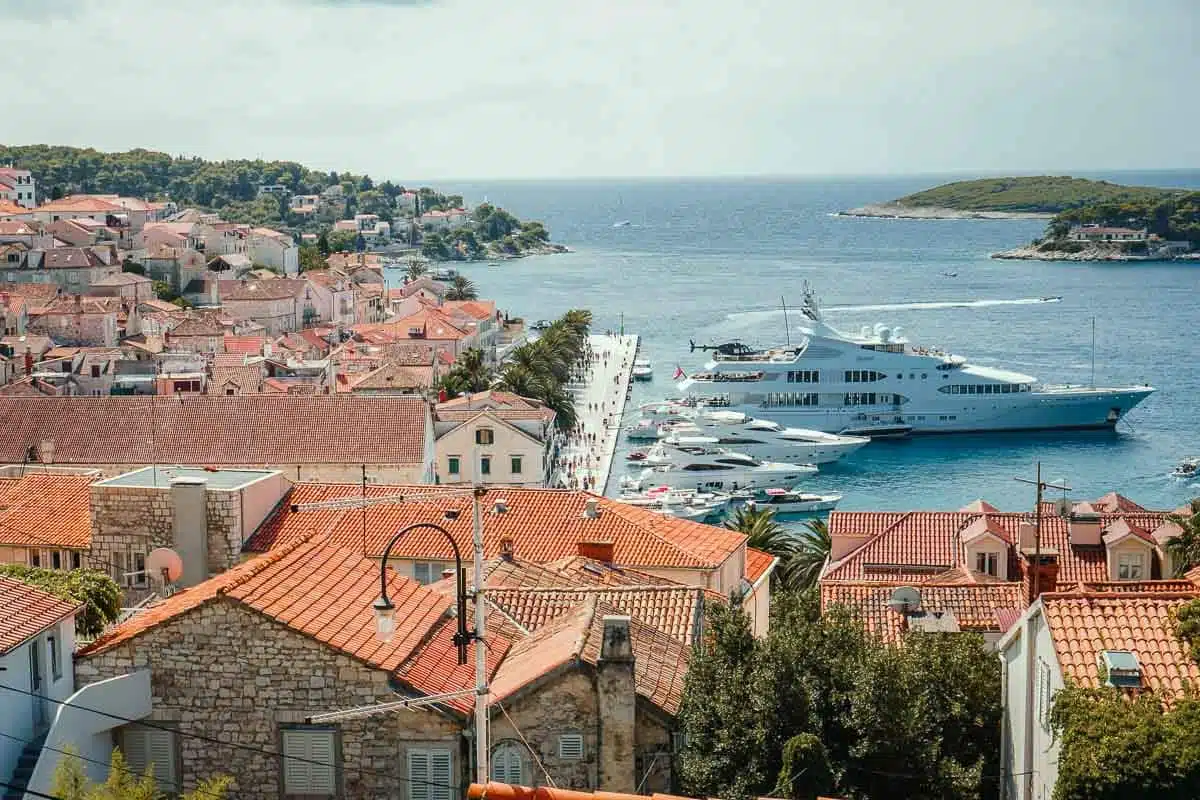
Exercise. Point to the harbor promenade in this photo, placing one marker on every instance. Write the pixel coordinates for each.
(600, 390)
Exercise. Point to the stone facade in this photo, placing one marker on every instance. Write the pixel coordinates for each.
(224, 672)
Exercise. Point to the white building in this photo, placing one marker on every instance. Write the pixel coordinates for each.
(18, 186)
(275, 249)
(37, 640)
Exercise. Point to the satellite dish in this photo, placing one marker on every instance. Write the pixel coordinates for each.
(904, 600)
(164, 563)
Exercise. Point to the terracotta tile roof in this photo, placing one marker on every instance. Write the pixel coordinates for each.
(122, 279)
(320, 591)
(492, 398)
(674, 610)
(11, 209)
(70, 258)
(251, 345)
(757, 564)
(543, 524)
(1083, 626)
(1135, 587)
(979, 507)
(248, 378)
(50, 509)
(277, 289)
(395, 376)
(572, 571)
(325, 429)
(81, 204)
(583, 571)
(978, 607)
(545, 415)
(477, 309)
(28, 611)
(434, 667)
(195, 323)
(660, 662)
(154, 304)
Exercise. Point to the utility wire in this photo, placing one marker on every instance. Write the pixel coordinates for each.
(213, 740)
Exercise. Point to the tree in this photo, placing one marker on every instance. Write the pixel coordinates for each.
(414, 270)
(434, 247)
(470, 373)
(461, 288)
(341, 241)
(1185, 547)
(812, 551)
(99, 593)
(323, 244)
(311, 258)
(129, 265)
(71, 782)
(763, 532)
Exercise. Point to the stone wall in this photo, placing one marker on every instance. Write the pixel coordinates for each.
(225, 672)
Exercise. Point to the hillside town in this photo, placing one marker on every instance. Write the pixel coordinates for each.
(270, 532)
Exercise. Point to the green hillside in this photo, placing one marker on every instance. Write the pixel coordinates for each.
(1042, 194)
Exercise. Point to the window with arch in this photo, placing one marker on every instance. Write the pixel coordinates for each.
(507, 764)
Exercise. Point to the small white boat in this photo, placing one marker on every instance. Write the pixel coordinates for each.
(624, 223)
(793, 501)
(642, 370)
(707, 468)
(1188, 468)
(683, 504)
(644, 430)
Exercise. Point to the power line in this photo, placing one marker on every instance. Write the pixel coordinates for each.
(223, 742)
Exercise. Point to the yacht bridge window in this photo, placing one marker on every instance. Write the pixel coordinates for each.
(863, 376)
(804, 376)
(985, 388)
(776, 399)
(884, 348)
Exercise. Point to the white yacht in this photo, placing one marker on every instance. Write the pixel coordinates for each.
(793, 501)
(708, 468)
(642, 370)
(681, 503)
(763, 438)
(879, 384)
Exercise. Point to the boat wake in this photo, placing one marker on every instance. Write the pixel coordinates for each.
(921, 306)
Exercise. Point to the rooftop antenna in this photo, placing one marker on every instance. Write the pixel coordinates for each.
(787, 329)
(1037, 521)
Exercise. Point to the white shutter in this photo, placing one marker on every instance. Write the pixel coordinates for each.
(133, 742)
(440, 775)
(154, 748)
(309, 762)
(506, 764)
(418, 775)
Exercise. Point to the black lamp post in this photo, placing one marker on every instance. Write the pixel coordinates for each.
(385, 612)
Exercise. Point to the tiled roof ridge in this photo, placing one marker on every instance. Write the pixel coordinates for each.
(583, 590)
(257, 566)
(868, 539)
(502, 612)
(621, 510)
(1093, 595)
(591, 604)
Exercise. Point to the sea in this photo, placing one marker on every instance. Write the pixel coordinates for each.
(709, 260)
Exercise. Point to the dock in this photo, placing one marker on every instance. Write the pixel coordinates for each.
(585, 459)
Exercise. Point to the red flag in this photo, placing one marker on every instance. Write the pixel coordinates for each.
(679, 373)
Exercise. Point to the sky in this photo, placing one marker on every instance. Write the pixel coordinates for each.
(490, 89)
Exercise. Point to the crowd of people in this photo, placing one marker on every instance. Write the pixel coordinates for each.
(579, 453)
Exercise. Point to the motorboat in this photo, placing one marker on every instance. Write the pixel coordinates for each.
(877, 382)
(624, 223)
(763, 438)
(793, 501)
(949, 274)
(541, 325)
(1054, 298)
(708, 468)
(681, 503)
(1188, 468)
(642, 370)
(644, 430)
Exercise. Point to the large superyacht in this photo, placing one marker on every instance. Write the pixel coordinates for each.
(879, 384)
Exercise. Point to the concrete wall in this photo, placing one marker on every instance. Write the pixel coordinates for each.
(226, 672)
(507, 442)
(1029, 750)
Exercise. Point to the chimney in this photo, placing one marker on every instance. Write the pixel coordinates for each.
(448, 572)
(506, 548)
(46, 451)
(189, 527)
(28, 362)
(842, 544)
(596, 550)
(617, 700)
(1047, 573)
(1026, 533)
(591, 508)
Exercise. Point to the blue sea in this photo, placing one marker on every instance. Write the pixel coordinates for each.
(709, 259)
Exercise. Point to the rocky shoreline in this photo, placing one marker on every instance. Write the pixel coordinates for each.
(896, 211)
(1094, 253)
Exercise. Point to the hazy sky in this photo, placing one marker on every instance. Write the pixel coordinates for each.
(563, 88)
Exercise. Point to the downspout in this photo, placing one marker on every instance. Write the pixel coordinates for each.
(1030, 691)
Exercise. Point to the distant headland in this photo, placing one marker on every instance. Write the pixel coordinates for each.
(1086, 220)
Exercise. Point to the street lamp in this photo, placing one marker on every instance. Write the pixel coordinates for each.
(385, 611)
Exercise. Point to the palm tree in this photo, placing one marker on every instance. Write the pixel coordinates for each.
(764, 533)
(1185, 548)
(415, 270)
(580, 319)
(537, 360)
(560, 401)
(811, 553)
(520, 381)
(471, 372)
(461, 288)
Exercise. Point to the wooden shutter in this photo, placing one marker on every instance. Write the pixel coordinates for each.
(418, 775)
(441, 778)
(151, 747)
(506, 764)
(309, 762)
(295, 764)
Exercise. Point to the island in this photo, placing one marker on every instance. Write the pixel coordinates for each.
(327, 211)
(1026, 197)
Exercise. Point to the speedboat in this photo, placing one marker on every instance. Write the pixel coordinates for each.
(878, 382)
(1188, 468)
(950, 274)
(642, 370)
(793, 501)
(680, 503)
(763, 438)
(644, 430)
(541, 325)
(707, 468)
(624, 223)
(1054, 298)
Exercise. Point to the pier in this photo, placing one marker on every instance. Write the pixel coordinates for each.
(585, 458)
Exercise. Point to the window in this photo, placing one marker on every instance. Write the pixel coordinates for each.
(516, 465)
(56, 559)
(1131, 566)
(309, 761)
(35, 558)
(506, 764)
(484, 436)
(570, 747)
(76, 560)
(154, 749)
(95, 370)
(55, 656)
(986, 563)
(430, 774)
(453, 465)
(427, 571)
(485, 465)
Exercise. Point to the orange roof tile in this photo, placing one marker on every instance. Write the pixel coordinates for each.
(572, 571)
(320, 591)
(47, 509)
(434, 668)
(757, 564)
(543, 524)
(677, 611)
(81, 204)
(1082, 626)
(978, 607)
(28, 611)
